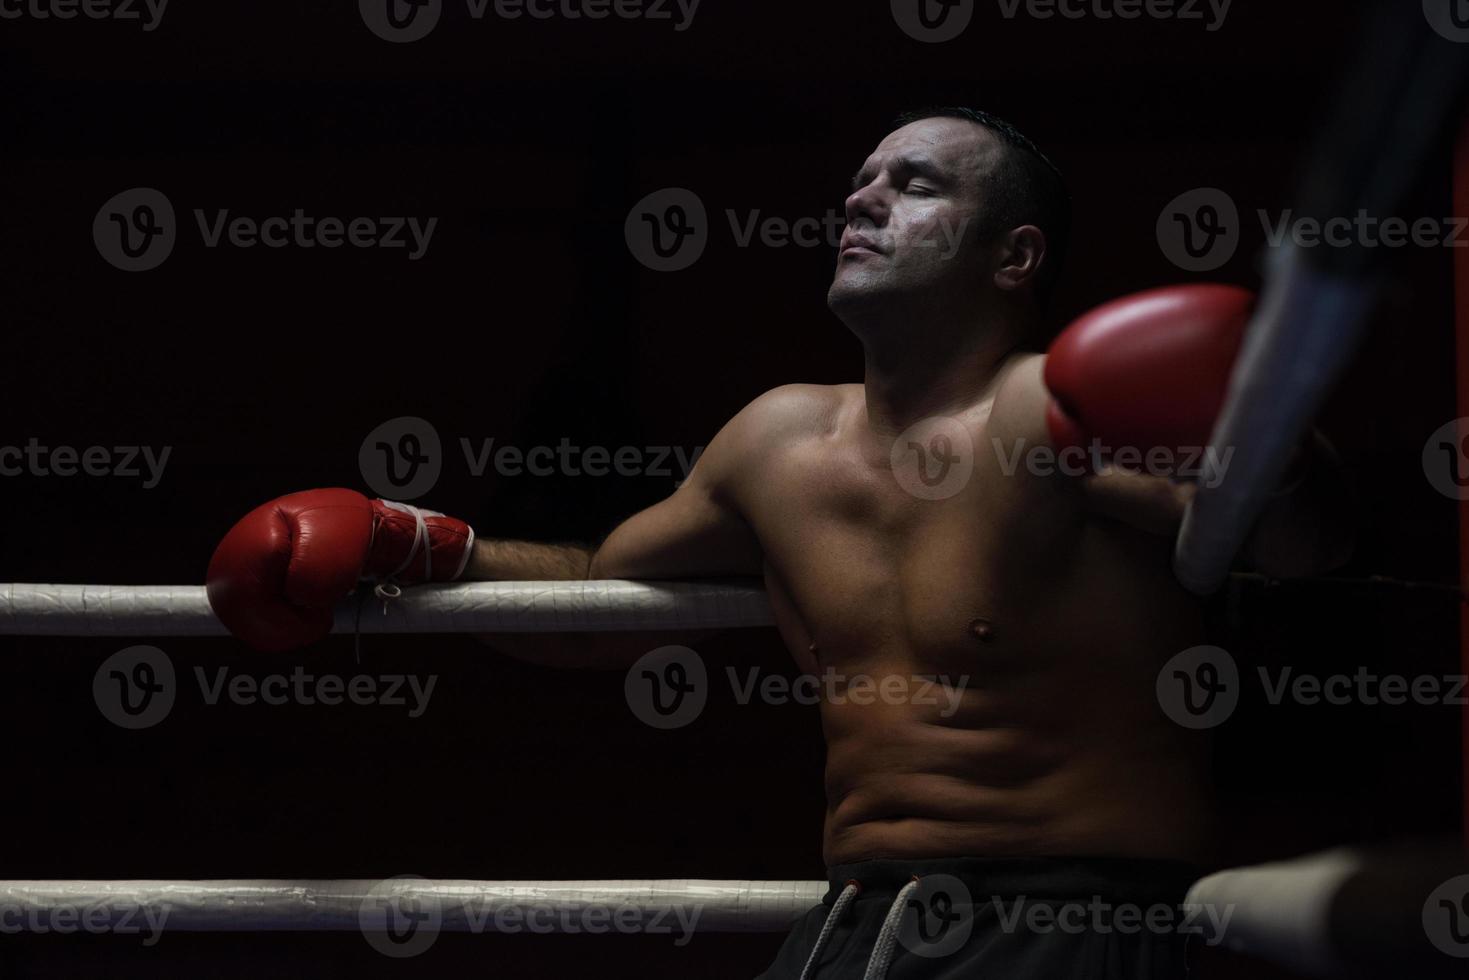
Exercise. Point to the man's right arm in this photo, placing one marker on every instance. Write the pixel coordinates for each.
(697, 532)
(277, 575)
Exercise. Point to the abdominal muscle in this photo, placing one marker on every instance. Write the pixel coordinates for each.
(1031, 730)
(902, 782)
(1045, 632)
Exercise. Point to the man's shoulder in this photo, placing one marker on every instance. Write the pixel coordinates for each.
(1020, 398)
(739, 460)
(794, 410)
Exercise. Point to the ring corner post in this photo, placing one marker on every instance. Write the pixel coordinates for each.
(1461, 354)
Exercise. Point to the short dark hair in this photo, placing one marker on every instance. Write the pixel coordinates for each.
(1026, 188)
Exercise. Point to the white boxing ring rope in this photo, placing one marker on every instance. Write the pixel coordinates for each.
(478, 607)
(1292, 913)
(1282, 912)
(506, 607)
(456, 906)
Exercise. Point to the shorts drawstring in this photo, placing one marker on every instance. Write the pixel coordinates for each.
(833, 918)
(887, 937)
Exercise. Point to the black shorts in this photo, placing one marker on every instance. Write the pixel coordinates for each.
(1047, 918)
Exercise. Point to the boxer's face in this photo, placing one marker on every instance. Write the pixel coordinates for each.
(913, 218)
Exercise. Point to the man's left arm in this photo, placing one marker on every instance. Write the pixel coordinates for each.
(1308, 525)
(1149, 372)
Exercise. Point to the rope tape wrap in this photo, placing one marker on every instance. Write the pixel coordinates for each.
(478, 607)
(456, 906)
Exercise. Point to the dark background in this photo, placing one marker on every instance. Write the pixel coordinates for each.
(529, 321)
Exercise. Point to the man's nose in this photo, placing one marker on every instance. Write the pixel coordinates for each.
(866, 204)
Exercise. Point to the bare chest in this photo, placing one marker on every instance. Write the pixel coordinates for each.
(864, 571)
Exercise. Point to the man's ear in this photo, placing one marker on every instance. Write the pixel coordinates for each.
(1021, 253)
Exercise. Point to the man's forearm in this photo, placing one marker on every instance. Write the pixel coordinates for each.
(531, 561)
(526, 561)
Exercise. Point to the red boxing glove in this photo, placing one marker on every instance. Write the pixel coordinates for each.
(1148, 372)
(278, 573)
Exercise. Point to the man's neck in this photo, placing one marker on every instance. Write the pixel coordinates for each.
(917, 377)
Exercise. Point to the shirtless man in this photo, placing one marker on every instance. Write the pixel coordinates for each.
(1058, 779)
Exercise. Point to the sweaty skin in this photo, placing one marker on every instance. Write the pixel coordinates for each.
(1054, 618)
(1044, 601)
(1055, 622)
